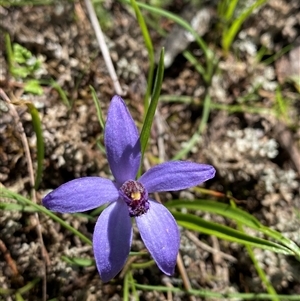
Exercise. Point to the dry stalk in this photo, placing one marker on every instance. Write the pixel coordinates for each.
(103, 46)
(21, 132)
(184, 276)
(209, 249)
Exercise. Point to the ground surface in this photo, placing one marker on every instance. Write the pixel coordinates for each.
(256, 155)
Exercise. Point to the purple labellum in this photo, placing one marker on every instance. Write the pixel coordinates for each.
(136, 197)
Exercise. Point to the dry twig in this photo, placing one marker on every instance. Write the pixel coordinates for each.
(184, 276)
(8, 259)
(21, 132)
(207, 248)
(103, 46)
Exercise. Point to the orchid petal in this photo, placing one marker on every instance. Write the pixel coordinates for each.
(160, 234)
(122, 142)
(112, 240)
(176, 175)
(81, 195)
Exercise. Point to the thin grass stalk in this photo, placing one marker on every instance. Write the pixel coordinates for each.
(151, 57)
(219, 296)
(259, 270)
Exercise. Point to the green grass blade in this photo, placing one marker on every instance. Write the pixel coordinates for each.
(217, 295)
(262, 275)
(230, 10)
(237, 215)
(9, 53)
(225, 210)
(4, 192)
(259, 270)
(37, 126)
(209, 55)
(126, 287)
(135, 294)
(78, 261)
(241, 108)
(61, 93)
(177, 98)
(192, 59)
(145, 133)
(281, 106)
(198, 224)
(16, 3)
(161, 12)
(6, 291)
(150, 50)
(196, 136)
(19, 297)
(278, 54)
(143, 265)
(159, 78)
(30, 285)
(205, 113)
(16, 207)
(229, 35)
(218, 106)
(189, 145)
(98, 108)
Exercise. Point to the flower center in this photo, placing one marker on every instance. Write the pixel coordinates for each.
(135, 196)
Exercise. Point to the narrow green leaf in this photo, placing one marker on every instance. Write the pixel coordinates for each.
(6, 291)
(225, 210)
(145, 133)
(262, 275)
(230, 10)
(220, 296)
(209, 55)
(9, 53)
(143, 265)
(189, 145)
(99, 143)
(98, 108)
(30, 285)
(126, 287)
(83, 262)
(19, 297)
(37, 126)
(197, 135)
(4, 192)
(281, 105)
(205, 113)
(149, 46)
(237, 215)
(198, 224)
(135, 293)
(278, 54)
(192, 59)
(159, 78)
(229, 35)
(61, 93)
(16, 207)
(257, 266)
(242, 108)
(17, 3)
(295, 79)
(177, 98)
(132, 253)
(161, 12)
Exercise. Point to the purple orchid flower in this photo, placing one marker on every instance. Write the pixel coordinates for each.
(129, 198)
